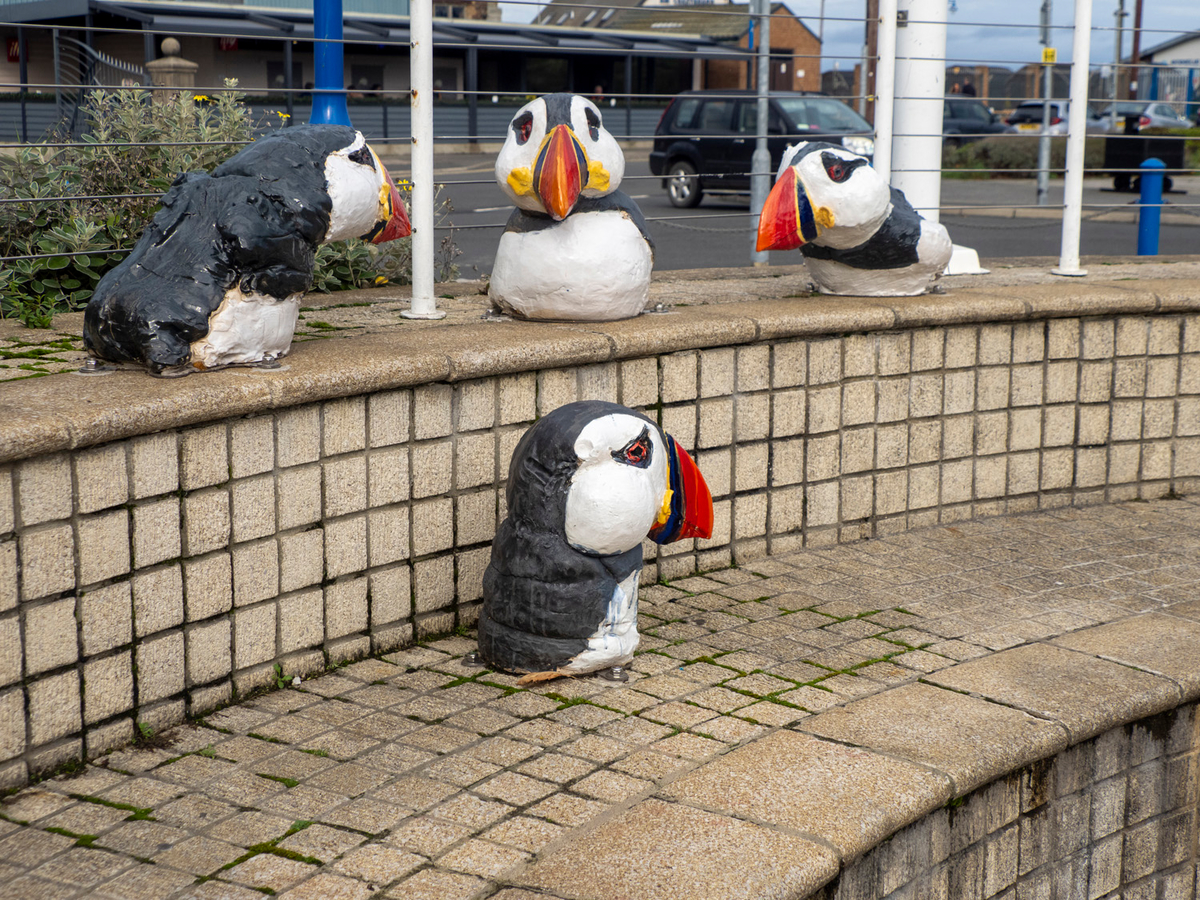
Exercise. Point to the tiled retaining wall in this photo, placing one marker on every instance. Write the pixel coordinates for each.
(158, 575)
(1112, 818)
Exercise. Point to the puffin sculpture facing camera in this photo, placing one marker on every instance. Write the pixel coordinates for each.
(576, 248)
(586, 485)
(216, 278)
(859, 236)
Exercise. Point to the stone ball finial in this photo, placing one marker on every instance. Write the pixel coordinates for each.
(170, 47)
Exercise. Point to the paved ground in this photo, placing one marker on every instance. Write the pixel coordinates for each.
(413, 776)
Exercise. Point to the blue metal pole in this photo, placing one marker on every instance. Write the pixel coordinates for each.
(329, 94)
(1150, 208)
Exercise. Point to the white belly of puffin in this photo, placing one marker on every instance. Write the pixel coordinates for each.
(933, 252)
(616, 638)
(247, 328)
(591, 266)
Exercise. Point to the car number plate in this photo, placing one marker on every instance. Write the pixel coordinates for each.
(1029, 126)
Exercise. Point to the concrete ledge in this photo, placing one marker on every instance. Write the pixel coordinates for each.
(723, 308)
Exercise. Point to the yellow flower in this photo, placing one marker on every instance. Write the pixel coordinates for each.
(380, 279)
(282, 115)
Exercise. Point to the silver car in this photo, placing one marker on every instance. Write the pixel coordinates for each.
(1149, 113)
(1027, 118)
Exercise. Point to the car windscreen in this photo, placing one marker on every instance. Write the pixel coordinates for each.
(1127, 109)
(973, 110)
(1032, 112)
(821, 114)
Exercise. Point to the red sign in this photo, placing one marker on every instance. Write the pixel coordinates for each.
(14, 50)
(228, 43)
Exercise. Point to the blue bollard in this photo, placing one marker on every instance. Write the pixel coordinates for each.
(1150, 208)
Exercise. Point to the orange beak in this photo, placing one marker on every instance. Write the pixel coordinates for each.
(787, 218)
(688, 509)
(561, 172)
(397, 224)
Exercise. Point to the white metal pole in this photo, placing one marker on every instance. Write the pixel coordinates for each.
(420, 23)
(920, 102)
(1068, 260)
(885, 87)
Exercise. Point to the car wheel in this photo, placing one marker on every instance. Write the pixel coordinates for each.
(953, 143)
(683, 185)
(1121, 182)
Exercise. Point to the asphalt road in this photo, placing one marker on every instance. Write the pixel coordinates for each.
(719, 231)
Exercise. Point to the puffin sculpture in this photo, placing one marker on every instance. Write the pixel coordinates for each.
(216, 279)
(586, 485)
(576, 248)
(859, 236)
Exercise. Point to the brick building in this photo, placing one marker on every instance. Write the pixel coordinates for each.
(795, 49)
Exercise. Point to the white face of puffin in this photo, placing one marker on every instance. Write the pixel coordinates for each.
(528, 165)
(617, 492)
(364, 196)
(826, 195)
(856, 195)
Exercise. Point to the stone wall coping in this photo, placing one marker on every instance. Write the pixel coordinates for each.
(841, 782)
(70, 411)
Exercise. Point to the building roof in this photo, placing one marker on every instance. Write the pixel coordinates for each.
(165, 17)
(719, 21)
(1167, 45)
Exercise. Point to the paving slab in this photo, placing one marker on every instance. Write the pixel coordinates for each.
(1157, 643)
(663, 851)
(1084, 694)
(967, 738)
(820, 788)
(780, 718)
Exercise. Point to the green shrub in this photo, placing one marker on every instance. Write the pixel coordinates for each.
(96, 196)
(1017, 155)
(82, 205)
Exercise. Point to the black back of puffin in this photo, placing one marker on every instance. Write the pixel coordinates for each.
(254, 222)
(542, 598)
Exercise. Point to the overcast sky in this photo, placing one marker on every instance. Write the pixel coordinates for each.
(1001, 31)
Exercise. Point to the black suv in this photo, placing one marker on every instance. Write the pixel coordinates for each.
(965, 119)
(705, 139)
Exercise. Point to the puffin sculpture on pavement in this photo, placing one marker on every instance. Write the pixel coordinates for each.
(576, 247)
(586, 485)
(859, 236)
(216, 278)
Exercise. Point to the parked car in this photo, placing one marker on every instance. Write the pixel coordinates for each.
(1027, 118)
(705, 139)
(1149, 114)
(965, 119)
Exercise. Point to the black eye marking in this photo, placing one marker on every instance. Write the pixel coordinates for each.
(839, 169)
(593, 121)
(522, 127)
(636, 453)
(363, 156)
